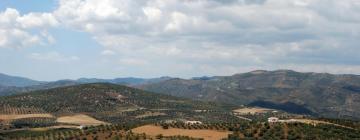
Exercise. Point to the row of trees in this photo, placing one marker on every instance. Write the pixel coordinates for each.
(7, 109)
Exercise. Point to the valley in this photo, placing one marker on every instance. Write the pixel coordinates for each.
(179, 70)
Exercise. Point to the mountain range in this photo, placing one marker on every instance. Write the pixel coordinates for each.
(7, 80)
(318, 94)
(13, 85)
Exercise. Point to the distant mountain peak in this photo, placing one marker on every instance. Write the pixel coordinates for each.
(258, 72)
(284, 71)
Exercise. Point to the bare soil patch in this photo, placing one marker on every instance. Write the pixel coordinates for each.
(316, 122)
(22, 116)
(252, 110)
(150, 114)
(205, 134)
(80, 119)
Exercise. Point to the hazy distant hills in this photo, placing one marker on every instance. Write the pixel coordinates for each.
(6, 80)
(315, 93)
(124, 81)
(320, 94)
(12, 85)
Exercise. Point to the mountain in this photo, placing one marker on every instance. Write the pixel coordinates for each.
(124, 81)
(16, 89)
(6, 80)
(320, 94)
(110, 111)
(104, 101)
(11, 90)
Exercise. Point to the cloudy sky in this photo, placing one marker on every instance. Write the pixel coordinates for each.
(56, 39)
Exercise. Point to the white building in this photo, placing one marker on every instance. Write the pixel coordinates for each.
(273, 119)
(193, 122)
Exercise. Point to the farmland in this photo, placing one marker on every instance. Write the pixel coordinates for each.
(204, 134)
(80, 119)
(252, 110)
(9, 117)
(107, 111)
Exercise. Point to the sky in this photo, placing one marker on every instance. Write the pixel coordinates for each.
(69, 39)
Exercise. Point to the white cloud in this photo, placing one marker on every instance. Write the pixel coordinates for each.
(133, 62)
(108, 52)
(18, 31)
(204, 34)
(53, 56)
(32, 20)
(153, 14)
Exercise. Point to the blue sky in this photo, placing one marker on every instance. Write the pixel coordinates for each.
(29, 6)
(69, 39)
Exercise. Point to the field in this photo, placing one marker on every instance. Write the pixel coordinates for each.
(205, 134)
(8, 117)
(252, 110)
(59, 113)
(316, 122)
(80, 119)
(150, 114)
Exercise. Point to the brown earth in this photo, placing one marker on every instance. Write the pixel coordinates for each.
(150, 114)
(22, 116)
(205, 134)
(80, 119)
(252, 110)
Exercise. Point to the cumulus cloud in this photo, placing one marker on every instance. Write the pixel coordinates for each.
(237, 33)
(206, 34)
(19, 31)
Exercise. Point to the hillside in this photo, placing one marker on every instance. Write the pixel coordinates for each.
(11, 90)
(18, 87)
(106, 102)
(313, 93)
(123, 81)
(7, 80)
(109, 111)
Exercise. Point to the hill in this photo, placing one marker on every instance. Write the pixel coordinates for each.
(131, 81)
(109, 111)
(106, 102)
(319, 94)
(17, 87)
(12, 90)
(7, 80)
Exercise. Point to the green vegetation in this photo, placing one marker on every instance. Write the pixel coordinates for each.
(107, 102)
(318, 94)
(244, 130)
(125, 108)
